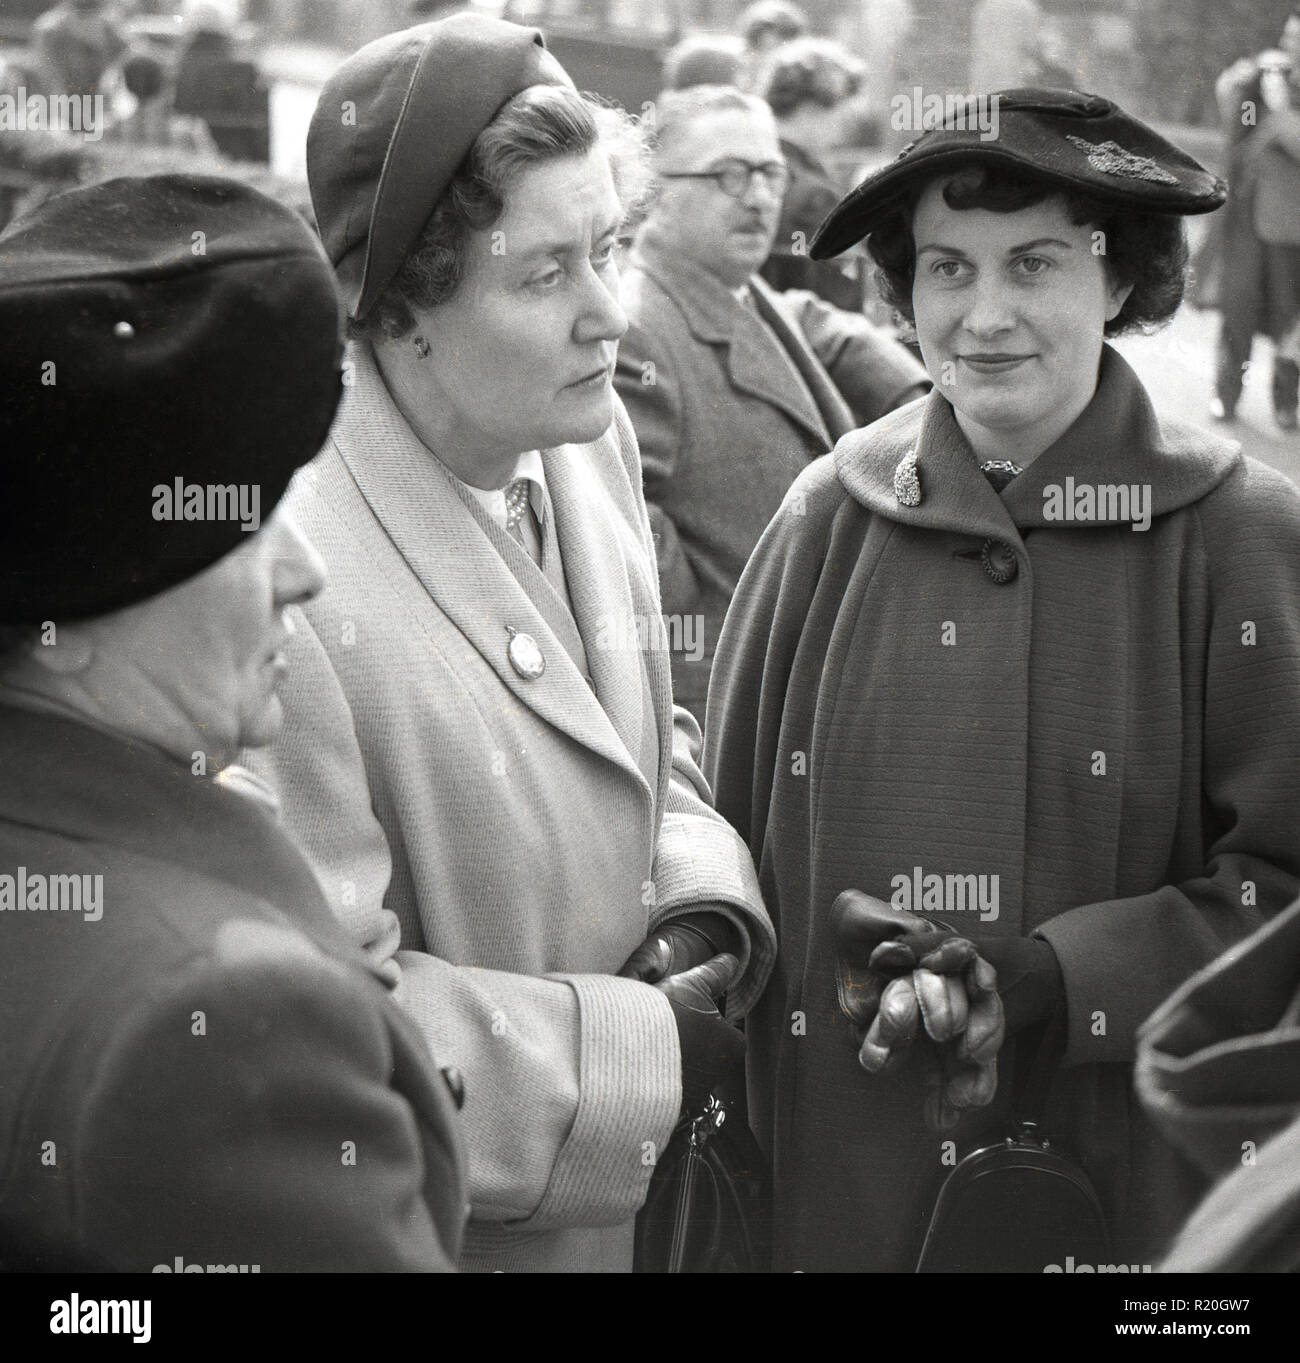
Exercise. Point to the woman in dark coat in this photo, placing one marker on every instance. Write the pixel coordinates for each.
(198, 1070)
(1022, 659)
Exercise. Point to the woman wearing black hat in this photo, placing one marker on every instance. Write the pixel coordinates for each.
(199, 1070)
(1021, 660)
(482, 753)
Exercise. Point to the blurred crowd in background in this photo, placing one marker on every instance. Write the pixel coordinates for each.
(228, 85)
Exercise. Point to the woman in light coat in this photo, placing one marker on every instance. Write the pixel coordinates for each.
(1021, 659)
(485, 764)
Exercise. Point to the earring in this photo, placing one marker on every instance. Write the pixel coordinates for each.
(421, 347)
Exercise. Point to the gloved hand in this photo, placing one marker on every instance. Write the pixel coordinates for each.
(874, 944)
(681, 944)
(903, 978)
(711, 1047)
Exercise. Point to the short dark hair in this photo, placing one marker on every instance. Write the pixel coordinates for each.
(143, 76)
(1146, 250)
(808, 71)
(540, 124)
(704, 59)
(779, 18)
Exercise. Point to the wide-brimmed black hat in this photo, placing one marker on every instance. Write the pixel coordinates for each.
(1081, 142)
(170, 352)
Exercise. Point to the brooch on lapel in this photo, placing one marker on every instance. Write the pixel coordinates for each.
(525, 657)
(1112, 159)
(907, 481)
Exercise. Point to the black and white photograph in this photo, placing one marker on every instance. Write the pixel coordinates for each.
(650, 637)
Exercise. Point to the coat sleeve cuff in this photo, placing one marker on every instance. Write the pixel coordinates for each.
(702, 860)
(630, 1086)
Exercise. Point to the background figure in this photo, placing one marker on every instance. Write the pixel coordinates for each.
(153, 122)
(721, 375)
(765, 25)
(226, 91)
(1259, 284)
(704, 59)
(76, 43)
(196, 1062)
(808, 84)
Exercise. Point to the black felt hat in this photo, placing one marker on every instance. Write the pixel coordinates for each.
(1080, 142)
(160, 337)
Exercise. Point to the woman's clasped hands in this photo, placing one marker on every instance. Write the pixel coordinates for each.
(917, 993)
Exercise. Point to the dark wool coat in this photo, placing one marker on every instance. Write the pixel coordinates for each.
(1218, 1069)
(180, 1076)
(1114, 733)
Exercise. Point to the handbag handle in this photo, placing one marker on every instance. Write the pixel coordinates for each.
(1034, 1079)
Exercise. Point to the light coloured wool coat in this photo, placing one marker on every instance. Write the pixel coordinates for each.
(521, 836)
(1114, 733)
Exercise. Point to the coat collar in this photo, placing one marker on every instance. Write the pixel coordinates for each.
(1117, 440)
(715, 316)
(90, 785)
(456, 558)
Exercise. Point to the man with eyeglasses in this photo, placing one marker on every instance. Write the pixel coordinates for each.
(732, 388)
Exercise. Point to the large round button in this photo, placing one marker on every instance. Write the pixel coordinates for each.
(999, 560)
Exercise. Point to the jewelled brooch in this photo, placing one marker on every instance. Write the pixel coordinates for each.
(1112, 159)
(907, 481)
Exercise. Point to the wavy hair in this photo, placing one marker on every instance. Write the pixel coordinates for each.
(1146, 250)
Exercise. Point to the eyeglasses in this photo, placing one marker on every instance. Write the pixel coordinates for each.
(735, 177)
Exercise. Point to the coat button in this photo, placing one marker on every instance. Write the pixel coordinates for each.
(999, 560)
(455, 1082)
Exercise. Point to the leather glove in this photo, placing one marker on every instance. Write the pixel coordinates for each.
(681, 944)
(861, 924)
(964, 1072)
(711, 1048)
(903, 979)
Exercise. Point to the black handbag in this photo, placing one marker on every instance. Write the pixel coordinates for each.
(1021, 1205)
(708, 1208)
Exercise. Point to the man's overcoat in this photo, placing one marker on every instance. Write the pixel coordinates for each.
(1113, 733)
(730, 404)
(519, 834)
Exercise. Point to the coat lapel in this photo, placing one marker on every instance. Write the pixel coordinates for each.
(831, 408)
(600, 573)
(1116, 440)
(460, 567)
(757, 363)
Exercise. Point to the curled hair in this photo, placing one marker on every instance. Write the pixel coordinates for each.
(808, 71)
(541, 124)
(1146, 250)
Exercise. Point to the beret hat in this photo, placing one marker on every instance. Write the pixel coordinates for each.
(393, 125)
(1083, 143)
(180, 332)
